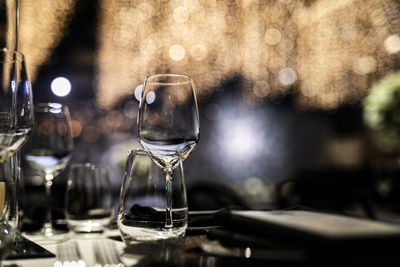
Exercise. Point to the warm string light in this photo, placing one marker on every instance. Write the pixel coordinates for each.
(328, 51)
(42, 26)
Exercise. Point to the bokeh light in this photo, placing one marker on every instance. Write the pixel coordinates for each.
(150, 97)
(272, 36)
(61, 86)
(392, 44)
(138, 92)
(343, 47)
(330, 51)
(41, 29)
(287, 76)
(177, 52)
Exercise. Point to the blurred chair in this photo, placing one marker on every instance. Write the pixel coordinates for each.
(213, 196)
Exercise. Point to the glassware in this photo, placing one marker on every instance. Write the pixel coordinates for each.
(16, 112)
(16, 120)
(49, 149)
(168, 125)
(24, 124)
(141, 212)
(89, 206)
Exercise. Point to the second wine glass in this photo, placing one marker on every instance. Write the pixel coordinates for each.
(168, 125)
(49, 149)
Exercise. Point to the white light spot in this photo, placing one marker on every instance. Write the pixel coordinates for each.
(247, 252)
(55, 105)
(138, 92)
(242, 141)
(392, 44)
(287, 76)
(55, 108)
(60, 86)
(177, 52)
(150, 97)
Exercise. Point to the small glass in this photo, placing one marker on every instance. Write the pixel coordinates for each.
(88, 198)
(142, 211)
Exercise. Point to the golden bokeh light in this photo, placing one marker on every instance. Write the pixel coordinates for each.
(392, 44)
(41, 27)
(181, 14)
(364, 65)
(328, 46)
(177, 52)
(328, 53)
(272, 36)
(198, 52)
(76, 128)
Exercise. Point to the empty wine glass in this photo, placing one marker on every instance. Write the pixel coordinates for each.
(24, 124)
(49, 149)
(168, 125)
(141, 211)
(16, 122)
(16, 112)
(88, 200)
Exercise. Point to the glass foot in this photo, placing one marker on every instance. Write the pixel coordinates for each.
(48, 235)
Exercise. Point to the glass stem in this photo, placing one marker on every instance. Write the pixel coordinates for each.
(47, 224)
(17, 176)
(168, 199)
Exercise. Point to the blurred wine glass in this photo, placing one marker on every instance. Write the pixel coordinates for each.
(168, 125)
(16, 122)
(49, 149)
(88, 199)
(16, 112)
(24, 123)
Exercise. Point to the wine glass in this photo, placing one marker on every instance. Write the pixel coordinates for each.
(16, 122)
(141, 210)
(49, 149)
(168, 125)
(24, 124)
(16, 112)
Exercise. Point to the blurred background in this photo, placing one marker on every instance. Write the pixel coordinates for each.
(298, 100)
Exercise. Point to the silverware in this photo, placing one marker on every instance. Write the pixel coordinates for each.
(69, 255)
(106, 254)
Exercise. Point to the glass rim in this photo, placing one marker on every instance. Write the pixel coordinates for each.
(139, 151)
(187, 78)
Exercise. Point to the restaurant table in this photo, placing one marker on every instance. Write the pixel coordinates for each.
(85, 244)
(249, 238)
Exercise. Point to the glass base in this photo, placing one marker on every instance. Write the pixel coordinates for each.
(88, 226)
(47, 235)
(131, 235)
